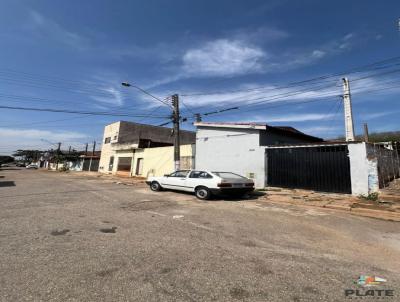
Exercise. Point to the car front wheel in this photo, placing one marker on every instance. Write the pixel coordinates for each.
(203, 193)
(155, 186)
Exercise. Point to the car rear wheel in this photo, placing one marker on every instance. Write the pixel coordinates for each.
(203, 193)
(155, 186)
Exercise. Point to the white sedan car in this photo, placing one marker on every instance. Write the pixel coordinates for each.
(202, 183)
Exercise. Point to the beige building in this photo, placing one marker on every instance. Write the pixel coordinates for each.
(132, 149)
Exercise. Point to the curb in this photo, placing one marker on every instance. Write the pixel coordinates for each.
(385, 215)
(377, 214)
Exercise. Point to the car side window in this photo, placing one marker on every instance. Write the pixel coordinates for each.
(179, 174)
(205, 175)
(199, 174)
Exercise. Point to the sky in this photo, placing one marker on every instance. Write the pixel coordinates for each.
(220, 54)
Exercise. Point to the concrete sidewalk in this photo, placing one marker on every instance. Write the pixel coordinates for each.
(381, 209)
(386, 210)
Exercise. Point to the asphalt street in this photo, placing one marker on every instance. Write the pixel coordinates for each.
(68, 237)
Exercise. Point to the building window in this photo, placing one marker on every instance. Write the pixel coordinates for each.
(107, 140)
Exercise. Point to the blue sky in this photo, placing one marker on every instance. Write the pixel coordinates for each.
(73, 55)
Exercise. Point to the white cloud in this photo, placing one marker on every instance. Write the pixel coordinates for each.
(260, 34)
(267, 94)
(48, 28)
(115, 96)
(223, 57)
(318, 53)
(14, 139)
(302, 117)
(299, 117)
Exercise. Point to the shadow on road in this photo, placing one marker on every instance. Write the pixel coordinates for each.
(7, 184)
(251, 196)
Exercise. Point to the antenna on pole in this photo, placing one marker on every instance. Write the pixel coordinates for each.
(348, 114)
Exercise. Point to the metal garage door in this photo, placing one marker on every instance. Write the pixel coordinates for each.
(322, 168)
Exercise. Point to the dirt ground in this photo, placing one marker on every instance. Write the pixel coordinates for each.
(74, 237)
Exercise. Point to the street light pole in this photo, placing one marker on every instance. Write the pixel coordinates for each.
(175, 119)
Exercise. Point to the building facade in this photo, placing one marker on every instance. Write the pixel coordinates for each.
(127, 149)
(240, 147)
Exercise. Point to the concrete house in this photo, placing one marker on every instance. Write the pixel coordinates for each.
(124, 144)
(240, 147)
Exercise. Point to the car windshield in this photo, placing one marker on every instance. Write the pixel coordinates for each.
(228, 175)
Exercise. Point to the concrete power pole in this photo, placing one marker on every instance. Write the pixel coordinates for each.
(57, 155)
(176, 119)
(348, 114)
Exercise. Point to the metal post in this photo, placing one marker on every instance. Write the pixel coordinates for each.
(397, 156)
(197, 116)
(348, 114)
(176, 118)
(366, 135)
(90, 162)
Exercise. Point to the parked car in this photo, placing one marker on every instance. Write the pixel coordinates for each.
(32, 166)
(20, 165)
(203, 183)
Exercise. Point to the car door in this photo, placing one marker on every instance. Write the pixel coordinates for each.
(176, 180)
(198, 178)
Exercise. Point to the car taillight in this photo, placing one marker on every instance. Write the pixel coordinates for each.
(224, 185)
(250, 185)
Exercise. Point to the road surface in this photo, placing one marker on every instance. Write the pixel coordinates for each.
(68, 237)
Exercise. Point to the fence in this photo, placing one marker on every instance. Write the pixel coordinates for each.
(321, 168)
(387, 155)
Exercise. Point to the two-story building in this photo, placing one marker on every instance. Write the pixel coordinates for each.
(125, 143)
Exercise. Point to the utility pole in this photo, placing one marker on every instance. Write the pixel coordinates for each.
(86, 147)
(69, 150)
(197, 116)
(366, 135)
(94, 149)
(175, 120)
(348, 114)
(57, 155)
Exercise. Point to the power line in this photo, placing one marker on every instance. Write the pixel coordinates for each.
(298, 92)
(296, 83)
(74, 112)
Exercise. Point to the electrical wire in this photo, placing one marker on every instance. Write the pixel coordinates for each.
(296, 83)
(73, 112)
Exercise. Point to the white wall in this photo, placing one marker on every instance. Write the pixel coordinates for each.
(363, 170)
(106, 149)
(233, 150)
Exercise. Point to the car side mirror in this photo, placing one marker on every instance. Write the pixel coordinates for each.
(166, 175)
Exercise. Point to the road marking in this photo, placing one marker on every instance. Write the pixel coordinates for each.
(197, 225)
(156, 213)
